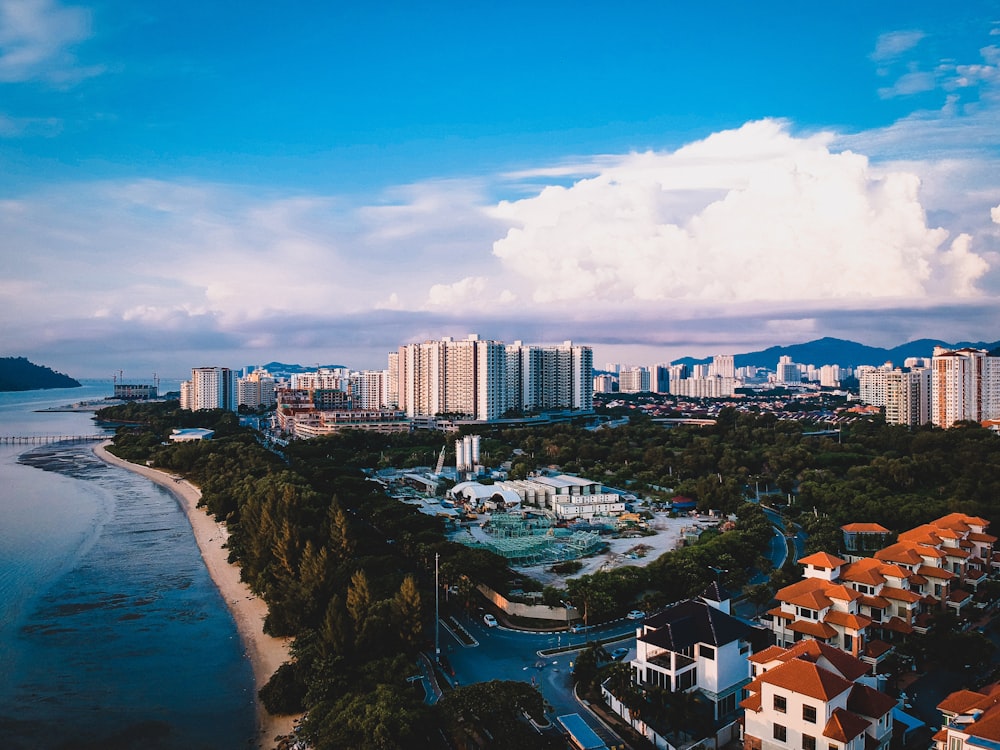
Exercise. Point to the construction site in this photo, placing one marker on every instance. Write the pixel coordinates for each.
(530, 540)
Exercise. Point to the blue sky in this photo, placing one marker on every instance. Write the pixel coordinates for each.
(219, 183)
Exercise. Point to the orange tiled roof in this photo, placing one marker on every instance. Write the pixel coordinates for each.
(931, 572)
(976, 536)
(846, 620)
(808, 592)
(807, 679)
(848, 666)
(813, 628)
(843, 593)
(865, 528)
(900, 552)
(956, 552)
(844, 726)
(778, 612)
(925, 534)
(822, 560)
(768, 654)
(878, 602)
(752, 702)
(900, 595)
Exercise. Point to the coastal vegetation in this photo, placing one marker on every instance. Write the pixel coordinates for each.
(349, 572)
(18, 374)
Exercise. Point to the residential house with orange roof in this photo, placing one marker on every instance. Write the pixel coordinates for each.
(864, 538)
(820, 606)
(970, 719)
(814, 696)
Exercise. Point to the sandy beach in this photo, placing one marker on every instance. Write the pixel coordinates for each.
(265, 652)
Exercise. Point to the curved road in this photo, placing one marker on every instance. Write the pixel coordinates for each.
(504, 654)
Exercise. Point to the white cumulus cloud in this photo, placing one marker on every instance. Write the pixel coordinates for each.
(753, 214)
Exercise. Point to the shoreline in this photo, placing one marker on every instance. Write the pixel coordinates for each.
(266, 653)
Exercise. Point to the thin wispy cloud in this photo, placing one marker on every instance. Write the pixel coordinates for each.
(894, 43)
(37, 41)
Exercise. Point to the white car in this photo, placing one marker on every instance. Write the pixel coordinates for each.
(636, 614)
(490, 621)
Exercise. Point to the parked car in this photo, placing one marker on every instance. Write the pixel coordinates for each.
(619, 653)
(636, 614)
(490, 621)
(580, 628)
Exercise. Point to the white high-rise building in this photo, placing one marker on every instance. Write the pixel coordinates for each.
(209, 388)
(723, 366)
(908, 397)
(872, 383)
(370, 389)
(633, 380)
(788, 371)
(965, 385)
(256, 389)
(485, 379)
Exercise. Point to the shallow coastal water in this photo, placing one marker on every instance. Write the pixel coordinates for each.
(112, 634)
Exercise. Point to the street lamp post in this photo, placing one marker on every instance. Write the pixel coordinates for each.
(437, 616)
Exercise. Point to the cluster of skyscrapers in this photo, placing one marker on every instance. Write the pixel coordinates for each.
(468, 379)
(952, 386)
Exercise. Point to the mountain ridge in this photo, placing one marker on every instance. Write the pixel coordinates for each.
(18, 374)
(843, 352)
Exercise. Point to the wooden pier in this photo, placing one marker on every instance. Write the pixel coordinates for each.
(43, 439)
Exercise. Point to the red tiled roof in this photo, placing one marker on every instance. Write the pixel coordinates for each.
(777, 612)
(875, 649)
(844, 726)
(975, 536)
(897, 625)
(962, 701)
(866, 701)
(958, 595)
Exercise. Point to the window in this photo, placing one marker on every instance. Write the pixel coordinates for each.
(809, 714)
(848, 642)
(901, 611)
(831, 746)
(707, 652)
(780, 733)
(955, 743)
(808, 614)
(780, 704)
(808, 743)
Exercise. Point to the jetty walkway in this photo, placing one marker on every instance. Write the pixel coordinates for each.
(43, 439)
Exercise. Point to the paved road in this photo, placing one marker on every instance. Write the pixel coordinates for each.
(504, 654)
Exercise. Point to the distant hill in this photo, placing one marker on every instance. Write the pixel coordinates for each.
(18, 374)
(831, 351)
(281, 368)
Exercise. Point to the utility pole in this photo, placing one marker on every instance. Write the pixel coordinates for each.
(437, 616)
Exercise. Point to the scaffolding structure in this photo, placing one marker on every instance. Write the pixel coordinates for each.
(535, 540)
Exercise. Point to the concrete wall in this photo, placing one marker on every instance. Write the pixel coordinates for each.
(561, 615)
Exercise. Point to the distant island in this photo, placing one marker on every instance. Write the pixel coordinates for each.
(18, 374)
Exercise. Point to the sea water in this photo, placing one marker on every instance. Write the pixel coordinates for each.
(112, 634)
